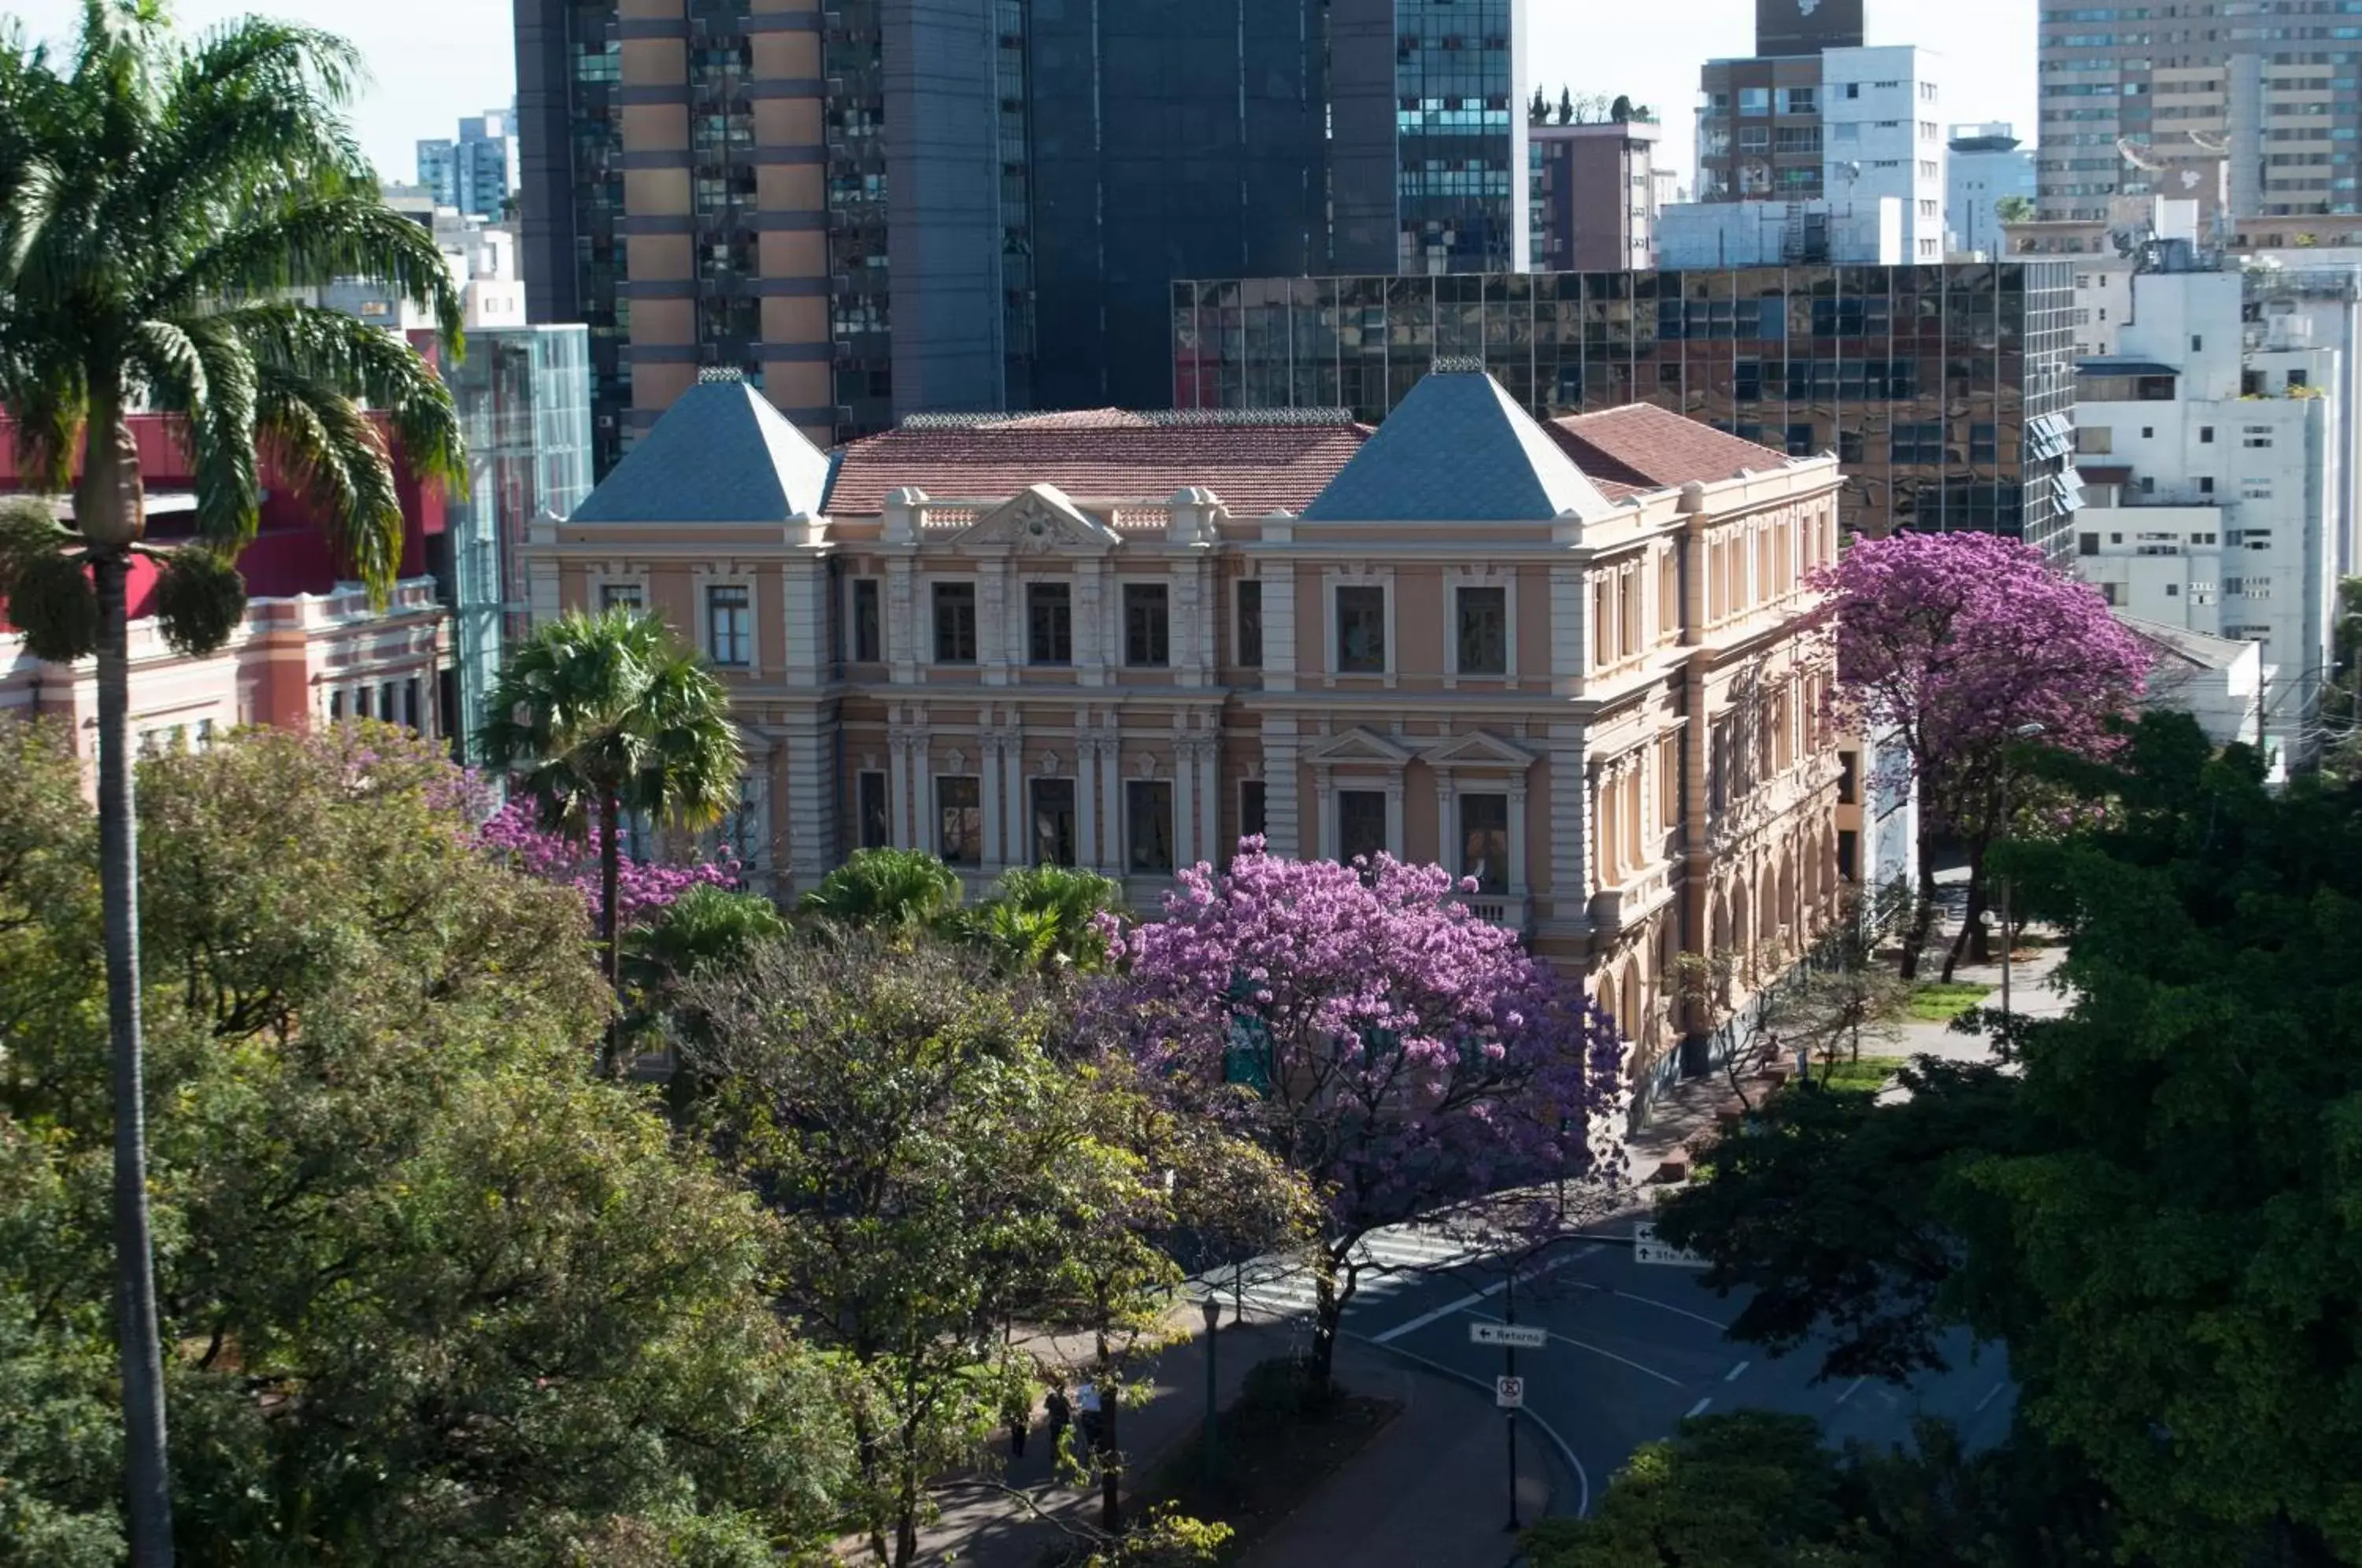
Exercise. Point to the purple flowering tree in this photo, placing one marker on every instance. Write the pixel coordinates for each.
(1967, 648)
(1368, 1030)
(642, 887)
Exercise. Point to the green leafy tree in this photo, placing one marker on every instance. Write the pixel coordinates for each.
(604, 715)
(437, 1298)
(2015, 209)
(2149, 1200)
(1758, 1489)
(1046, 919)
(891, 890)
(160, 198)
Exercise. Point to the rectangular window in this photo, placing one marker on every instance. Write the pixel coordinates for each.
(1485, 841)
(868, 622)
(1361, 631)
(959, 820)
(729, 632)
(1148, 825)
(337, 704)
(1848, 852)
(1053, 822)
(876, 821)
(954, 623)
(1483, 631)
(1361, 823)
(619, 596)
(1800, 440)
(1985, 442)
(1251, 623)
(2087, 544)
(1147, 626)
(1251, 808)
(1049, 625)
(1849, 779)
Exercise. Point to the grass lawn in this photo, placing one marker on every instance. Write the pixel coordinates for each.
(1938, 1002)
(1869, 1074)
(1272, 1454)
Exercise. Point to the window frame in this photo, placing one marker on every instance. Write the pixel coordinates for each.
(1064, 590)
(1134, 819)
(877, 598)
(1241, 620)
(1494, 888)
(1457, 587)
(937, 591)
(1337, 622)
(1337, 796)
(861, 813)
(1033, 818)
(743, 627)
(943, 807)
(1162, 588)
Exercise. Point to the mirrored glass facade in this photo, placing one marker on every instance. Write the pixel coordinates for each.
(1947, 392)
(524, 396)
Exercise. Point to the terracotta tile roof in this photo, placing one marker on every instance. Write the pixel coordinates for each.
(1097, 455)
(1643, 446)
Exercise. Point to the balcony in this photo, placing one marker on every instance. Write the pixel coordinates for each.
(1512, 911)
(1619, 908)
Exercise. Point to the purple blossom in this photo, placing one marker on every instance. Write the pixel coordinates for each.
(642, 887)
(1403, 1053)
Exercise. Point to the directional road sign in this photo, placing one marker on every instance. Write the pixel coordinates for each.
(1509, 1392)
(1647, 1249)
(1517, 1335)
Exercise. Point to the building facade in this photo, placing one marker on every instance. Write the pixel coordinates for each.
(1569, 662)
(1946, 391)
(475, 172)
(2139, 100)
(1986, 167)
(712, 182)
(2214, 477)
(1595, 195)
(524, 396)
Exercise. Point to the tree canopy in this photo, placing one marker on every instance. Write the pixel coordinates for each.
(2153, 1201)
(434, 1294)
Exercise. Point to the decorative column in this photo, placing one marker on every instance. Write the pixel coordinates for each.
(902, 794)
(1447, 799)
(903, 633)
(1278, 580)
(995, 631)
(1109, 744)
(989, 787)
(1283, 814)
(811, 798)
(1092, 616)
(1210, 800)
(1570, 832)
(1186, 851)
(1087, 795)
(1017, 846)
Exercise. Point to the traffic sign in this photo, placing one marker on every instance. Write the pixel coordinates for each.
(1647, 1249)
(1509, 1392)
(1518, 1336)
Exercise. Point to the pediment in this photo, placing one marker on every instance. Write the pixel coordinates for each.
(1039, 521)
(1360, 746)
(1480, 750)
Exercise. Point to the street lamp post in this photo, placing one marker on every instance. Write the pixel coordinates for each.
(1212, 1306)
(2008, 941)
(1509, 1360)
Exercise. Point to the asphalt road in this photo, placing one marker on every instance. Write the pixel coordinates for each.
(1634, 1347)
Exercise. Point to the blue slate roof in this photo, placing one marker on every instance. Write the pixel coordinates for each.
(720, 454)
(1457, 449)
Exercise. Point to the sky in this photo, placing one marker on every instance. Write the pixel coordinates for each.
(434, 60)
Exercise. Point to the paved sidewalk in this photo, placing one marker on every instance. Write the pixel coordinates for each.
(1429, 1491)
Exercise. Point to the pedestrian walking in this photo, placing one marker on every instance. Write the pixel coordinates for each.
(1019, 1413)
(1089, 1417)
(1061, 1413)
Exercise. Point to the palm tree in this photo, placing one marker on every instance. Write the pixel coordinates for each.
(895, 889)
(604, 715)
(161, 201)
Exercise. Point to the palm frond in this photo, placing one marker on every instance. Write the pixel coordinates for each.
(205, 374)
(308, 241)
(328, 446)
(367, 363)
(695, 757)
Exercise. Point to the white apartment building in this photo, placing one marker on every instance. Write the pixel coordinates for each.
(2212, 473)
(1882, 134)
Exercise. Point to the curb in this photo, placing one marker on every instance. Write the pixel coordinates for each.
(1566, 1452)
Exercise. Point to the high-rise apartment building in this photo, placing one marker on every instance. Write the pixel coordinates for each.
(874, 208)
(1849, 124)
(2252, 108)
(1945, 390)
(474, 174)
(1595, 195)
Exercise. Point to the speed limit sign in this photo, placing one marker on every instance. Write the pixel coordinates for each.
(1509, 1392)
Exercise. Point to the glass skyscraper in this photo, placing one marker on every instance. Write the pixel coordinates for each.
(1947, 392)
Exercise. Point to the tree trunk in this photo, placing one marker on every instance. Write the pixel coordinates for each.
(1111, 1459)
(146, 1471)
(1923, 908)
(611, 948)
(1326, 1312)
(1969, 943)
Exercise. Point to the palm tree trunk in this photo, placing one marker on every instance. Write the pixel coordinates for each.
(610, 951)
(148, 1498)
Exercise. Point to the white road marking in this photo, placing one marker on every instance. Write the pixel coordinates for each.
(1465, 1302)
(1732, 1375)
(1699, 1408)
(1990, 1394)
(1852, 1388)
(1595, 1350)
(1714, 1323)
